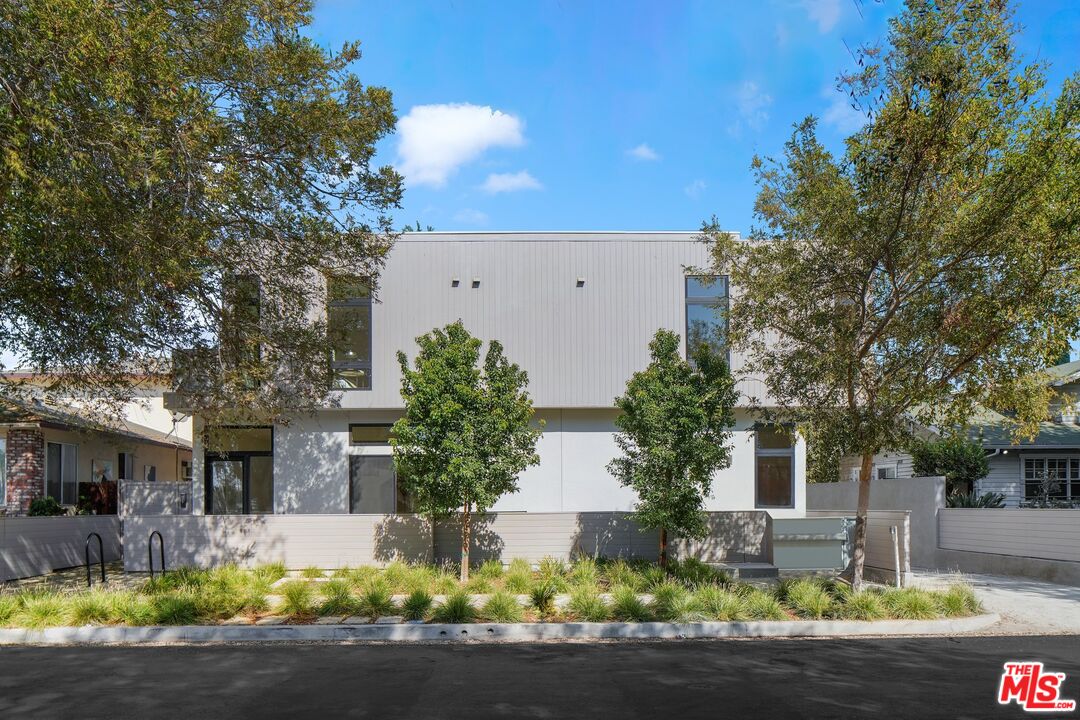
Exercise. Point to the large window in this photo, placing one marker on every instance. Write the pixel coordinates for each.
(240, 321)
(348, 323)
(706, 313)
(373, 485)
(774, 467)
(240, 471)
(61, 472)
(1052, 478)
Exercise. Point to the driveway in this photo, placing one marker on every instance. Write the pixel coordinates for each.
(1029, 607)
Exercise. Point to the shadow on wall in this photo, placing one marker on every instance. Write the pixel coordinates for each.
(404, 537)
(736, 536)
(311, 468)
(486, 541)
(613, 535)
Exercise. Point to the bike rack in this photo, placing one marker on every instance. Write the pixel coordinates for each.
(150, 552)
(101, 557)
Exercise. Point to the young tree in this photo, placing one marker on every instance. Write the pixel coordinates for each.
(157, 154)
(673, 432)
(960, 461)
(466, 434)
(934, 266)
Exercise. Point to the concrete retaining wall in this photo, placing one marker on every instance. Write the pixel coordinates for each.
(37, 545)
(330, 541)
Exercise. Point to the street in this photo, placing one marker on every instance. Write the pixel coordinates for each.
(888, 678)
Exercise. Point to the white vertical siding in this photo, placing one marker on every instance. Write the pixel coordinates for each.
(1005, 477)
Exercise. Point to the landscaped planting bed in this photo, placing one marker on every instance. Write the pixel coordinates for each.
(585, 591)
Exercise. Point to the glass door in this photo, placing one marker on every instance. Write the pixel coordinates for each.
(227, 487)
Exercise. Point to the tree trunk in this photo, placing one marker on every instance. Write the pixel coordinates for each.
(663, 547)
(466, 534)
(858, 555)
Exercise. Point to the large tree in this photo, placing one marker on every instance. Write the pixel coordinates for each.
(467, 432)
(934, 265)
(674, 435)
(155, 157)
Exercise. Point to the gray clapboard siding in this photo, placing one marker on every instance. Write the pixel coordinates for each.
(37, 545)
(330, 541)
(1042, 534)
(1004, 478)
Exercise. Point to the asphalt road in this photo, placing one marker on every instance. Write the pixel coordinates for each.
(896, 678)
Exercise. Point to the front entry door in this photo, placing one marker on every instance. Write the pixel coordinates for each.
(240, 485)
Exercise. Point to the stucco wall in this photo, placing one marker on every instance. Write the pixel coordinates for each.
(38, 545)
(154, 498)
(311, 466)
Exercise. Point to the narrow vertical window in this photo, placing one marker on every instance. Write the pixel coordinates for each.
(348, 323)
(706, 313)
(61, 464)
(774, 467)
(3, 471)
(240, 321)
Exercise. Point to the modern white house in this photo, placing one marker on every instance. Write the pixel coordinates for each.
(576, 310)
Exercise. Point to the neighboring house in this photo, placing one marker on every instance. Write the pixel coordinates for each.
(1017, 469)
(54, 450)
(575, 310)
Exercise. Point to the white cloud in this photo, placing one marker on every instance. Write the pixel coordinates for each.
(751, 104)
(826, 13)
(510, 182)
(695, 189)
(435, 140)
(471, 217)
(643, 152)
(839, 114)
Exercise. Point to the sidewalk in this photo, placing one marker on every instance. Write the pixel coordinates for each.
(1026, 606)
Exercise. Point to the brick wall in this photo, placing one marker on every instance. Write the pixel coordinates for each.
(25, 469)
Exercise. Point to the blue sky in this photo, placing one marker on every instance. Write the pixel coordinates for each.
(578, 115)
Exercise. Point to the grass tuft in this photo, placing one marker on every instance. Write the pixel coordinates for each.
(863, 605)
(763, 605)
(626, 606)
(456, 609)
(417, 605)
(338, 598)
(587, 605)
(376, 600)
(298, 598)
(502, 607)
(808, 599)
(720, 604)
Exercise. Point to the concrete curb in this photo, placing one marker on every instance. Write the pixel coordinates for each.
(516, 632)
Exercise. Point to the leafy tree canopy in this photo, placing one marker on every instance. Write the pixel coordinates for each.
(155, 154)
(935, 264)
(674, 435)
(959, 460)
(466, 433)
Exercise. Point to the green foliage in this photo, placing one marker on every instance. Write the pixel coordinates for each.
(41, 610)
(178, 146)
(490, 570)
(417, 605)
(271, 572)
(931, 268)
(808, 599)
(176, 608)
(626, 606)
(542, 595)
(518, 576)
(297, 598)
(974, 500)
(763, 605)
(960, 461)
(958, 600)
(587, 606)
(91, 608)
(584, 573)
(502, 607)
(466, 433)
(479, 586)
(9, 606)
(376, 600)
(337, 598)
(673, 434)
(693, 573)
(720, 604)
(312, 573)
(45, 507)
(457, 609)
(863, 605)
(910, 604)
(619, 572)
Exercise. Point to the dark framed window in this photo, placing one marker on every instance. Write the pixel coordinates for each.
(61, 470)
(348, 324)
(374, 487)
(241, 314)
(774, 467)
(706, 313)
(370, 434)
(239, 471)
(125, 466)
(1052, 477)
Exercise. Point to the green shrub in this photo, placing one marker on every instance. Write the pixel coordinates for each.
(584, 573)
(552, 571)
(518, 581)
(520, 565)
(720, 604)
(621, 573)
(90, 608)
(479, 585)
(664, 595)
(808, 599)
(419, 577)
(910, 604)
(297, 598)
(9, 605)
(457, 609)
(376, 600)
(41, 610)
(133, 609)
(176, 608)
(652, 576)
(337, 598)
(693, 573)
(312, 573)
(973, 500)
(863, 605)
(543, 595)
(270, 573)
(417, 605)
(587, 605)
(502, 607)
(959, 600)
(45, 507)
(445, 582)
(491, 569)
(762, 605)
(626, 606)
(362, 576)
(396, 575)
